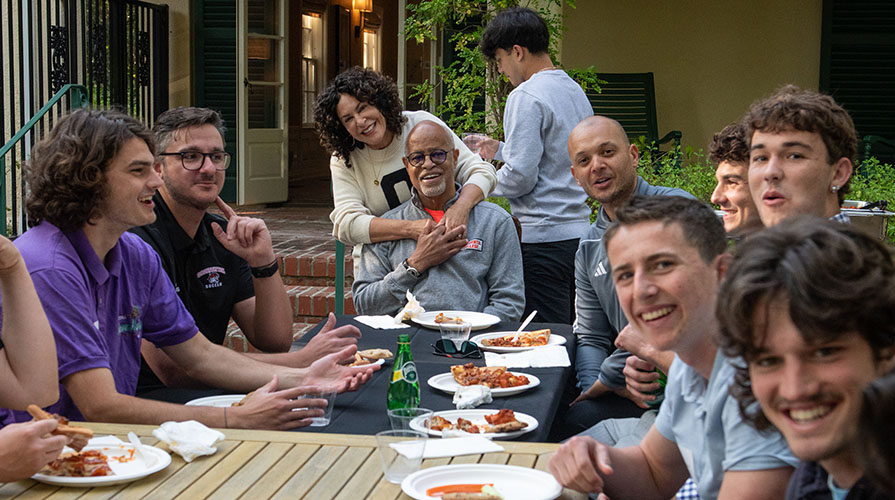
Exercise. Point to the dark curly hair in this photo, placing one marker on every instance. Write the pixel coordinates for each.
(515, 26)
(365, 85)
(835, 278)
(66, 171)
(730, 145)
(876, 444)
(792, 108)
(702, 228)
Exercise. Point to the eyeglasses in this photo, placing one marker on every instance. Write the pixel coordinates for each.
(417, 159)
(193, 160)
(445, 347)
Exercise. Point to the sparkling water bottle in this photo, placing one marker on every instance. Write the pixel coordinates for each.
(404, 388)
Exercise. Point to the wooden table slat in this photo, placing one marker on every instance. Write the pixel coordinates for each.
(282, 471)
(186, 475)
(338, 475)
(249, 472)
(364, 479)
(308, 475)
(222, 472)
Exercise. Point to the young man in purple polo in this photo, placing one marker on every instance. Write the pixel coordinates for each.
(104, 290)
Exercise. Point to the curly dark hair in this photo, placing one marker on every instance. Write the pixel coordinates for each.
(66, 171)
(876, 444)
(792, 108)
(835, 278)
(183, 117)
(365, 85)
(702, 228)
(730, 145)
(515, 26)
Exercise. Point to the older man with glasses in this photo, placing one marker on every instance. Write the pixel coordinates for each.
(221, 267)
(481, 272)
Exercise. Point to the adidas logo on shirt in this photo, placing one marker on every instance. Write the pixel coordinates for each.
(601, 270)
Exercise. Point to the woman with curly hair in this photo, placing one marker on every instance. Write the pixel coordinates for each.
(360, 121)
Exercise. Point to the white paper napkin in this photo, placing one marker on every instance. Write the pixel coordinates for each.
(541, 357)
(380, 322)
(188, 439)
(104, 441)
(452, 447)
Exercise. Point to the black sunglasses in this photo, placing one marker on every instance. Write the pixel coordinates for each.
(444, 347)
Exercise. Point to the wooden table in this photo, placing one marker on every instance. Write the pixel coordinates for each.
(269, 464)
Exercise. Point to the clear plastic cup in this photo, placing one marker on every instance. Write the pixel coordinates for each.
(401, 453)
(329, 394)
(400, 418)
(455, 332)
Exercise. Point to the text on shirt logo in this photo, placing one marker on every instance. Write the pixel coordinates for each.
(474, 245)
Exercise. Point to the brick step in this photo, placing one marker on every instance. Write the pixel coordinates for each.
(311, 304)
(314, 268)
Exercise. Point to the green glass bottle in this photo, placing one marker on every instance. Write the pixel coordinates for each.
(404, 388)
(660, 392)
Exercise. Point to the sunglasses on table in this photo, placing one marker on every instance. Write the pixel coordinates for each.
(446, 348)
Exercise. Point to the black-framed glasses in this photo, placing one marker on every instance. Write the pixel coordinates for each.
(193, 160)
(417, 158)
(445, 347)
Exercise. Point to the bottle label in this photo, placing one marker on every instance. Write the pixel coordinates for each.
(408, 372)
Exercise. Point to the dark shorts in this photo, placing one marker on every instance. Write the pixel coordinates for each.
(549, 273)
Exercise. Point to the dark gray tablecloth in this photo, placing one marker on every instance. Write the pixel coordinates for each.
(364, 411)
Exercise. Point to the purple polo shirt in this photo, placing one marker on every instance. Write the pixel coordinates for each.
(100, 313)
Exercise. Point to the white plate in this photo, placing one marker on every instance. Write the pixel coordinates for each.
(445, 382)
(553, 340)
(479, 321)
(156, 460)
(222, 401)
(511, 481)
(477, 417)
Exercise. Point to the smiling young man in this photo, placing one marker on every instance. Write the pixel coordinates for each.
(221, 267)
(802, 148)
(604, 164)
(482, 272)
(668, 260)
(810, 307)
(540, 113)
(104, 290)
(730, 152)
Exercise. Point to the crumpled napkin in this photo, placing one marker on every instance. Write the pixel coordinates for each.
(471, 396)
(411, 310)
(188, 439)
(541, 357)
(383, 322)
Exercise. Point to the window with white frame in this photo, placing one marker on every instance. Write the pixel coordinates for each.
(311, 63)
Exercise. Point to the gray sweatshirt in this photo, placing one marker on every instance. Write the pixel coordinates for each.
(486, 276)
(598, 315)
(539, 116)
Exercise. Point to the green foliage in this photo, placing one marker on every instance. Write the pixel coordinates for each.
(469, 78)
(874, 181)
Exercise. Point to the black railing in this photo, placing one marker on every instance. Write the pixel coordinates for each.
(118, 49)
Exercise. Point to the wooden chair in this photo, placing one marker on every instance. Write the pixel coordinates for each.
(630, 98)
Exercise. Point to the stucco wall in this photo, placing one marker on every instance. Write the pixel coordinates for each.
(178, 51)
(710, 59)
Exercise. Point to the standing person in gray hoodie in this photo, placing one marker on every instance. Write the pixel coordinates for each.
(539, 116)
(480, 272)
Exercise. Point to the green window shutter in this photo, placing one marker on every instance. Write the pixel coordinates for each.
(858, 62)
(214, 71)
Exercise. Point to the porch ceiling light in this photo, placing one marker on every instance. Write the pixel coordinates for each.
(363, 5)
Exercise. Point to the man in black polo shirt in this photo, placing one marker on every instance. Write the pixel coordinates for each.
(221, 267)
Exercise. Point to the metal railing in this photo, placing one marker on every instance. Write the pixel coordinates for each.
(78, 98)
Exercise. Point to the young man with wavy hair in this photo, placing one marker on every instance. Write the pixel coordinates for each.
(802, 149)
(104, 290)
(810, 306)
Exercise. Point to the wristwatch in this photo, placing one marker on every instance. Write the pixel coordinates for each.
(412, 270)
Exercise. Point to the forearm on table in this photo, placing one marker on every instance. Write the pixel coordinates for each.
(654, 469)
(218, 366)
